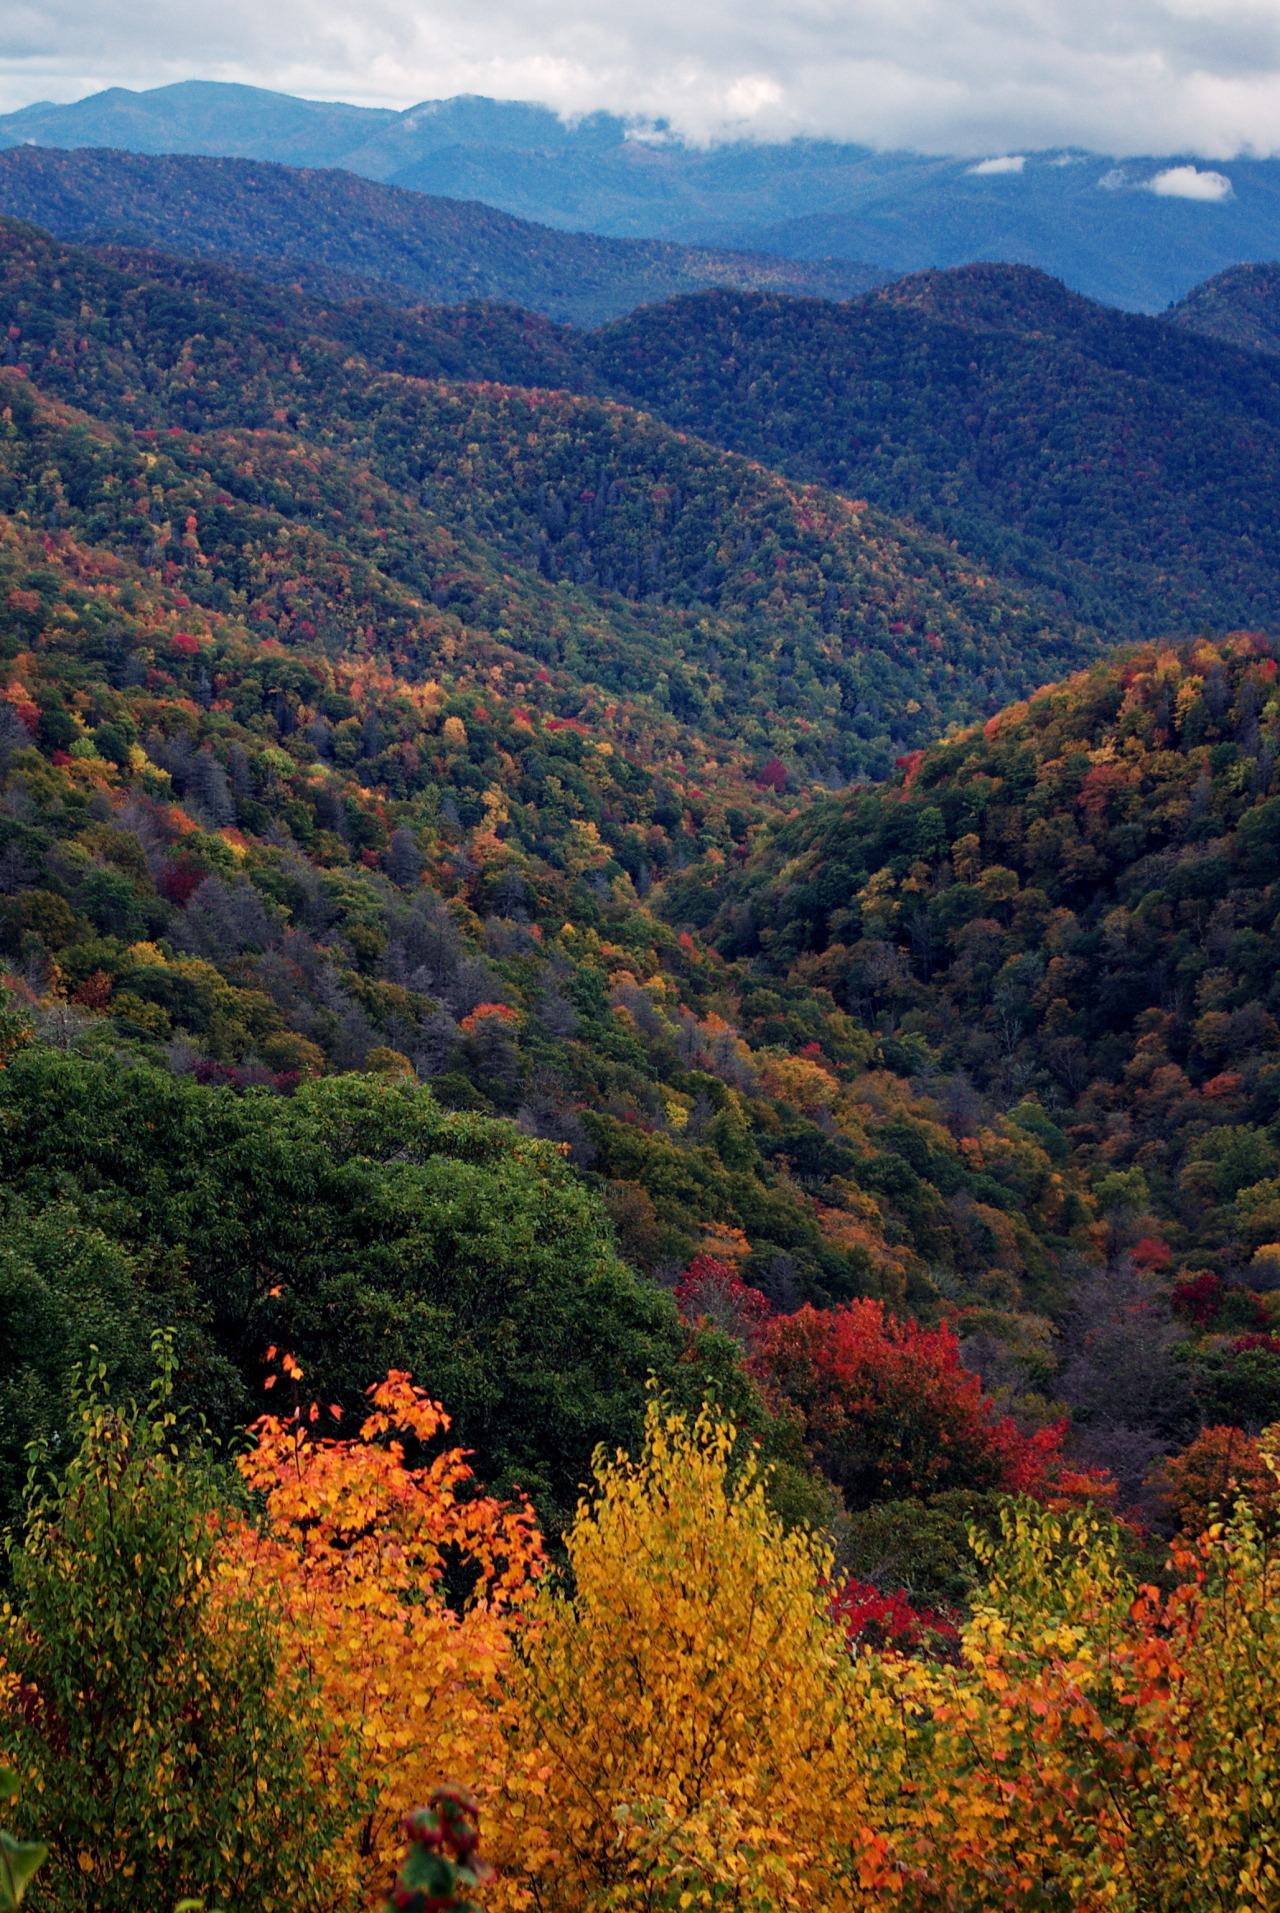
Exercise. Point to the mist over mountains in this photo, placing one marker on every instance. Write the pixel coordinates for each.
(1095, 221)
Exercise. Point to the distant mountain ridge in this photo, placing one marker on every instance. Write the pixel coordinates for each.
(630, 557)
(341, 235)
(1112, 458)
(1087, 218)
(207, 117)
(1118, 468)
(1240, 306)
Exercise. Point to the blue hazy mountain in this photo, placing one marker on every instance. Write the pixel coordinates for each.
(203, 116)
(1094, 223)
(1090, 220)
(341, 236)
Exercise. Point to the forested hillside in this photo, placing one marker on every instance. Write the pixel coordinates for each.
(786, 619)
(361, 718)
(1106, 457)
(355, 735)
(1076, 905)
(340, 235)
(1106, 464)
(1240, 306)
(628, 1198)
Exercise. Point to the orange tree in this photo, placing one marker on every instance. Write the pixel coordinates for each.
(1206, 1835)
(1097, 1746)
(396, 1586)
(1210, 1474)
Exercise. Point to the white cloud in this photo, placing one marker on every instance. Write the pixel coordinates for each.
(1184, 182)
(1010, 163)
(974, 77)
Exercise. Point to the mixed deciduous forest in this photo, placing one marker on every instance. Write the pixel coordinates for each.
(639, 1110)
(342, 235)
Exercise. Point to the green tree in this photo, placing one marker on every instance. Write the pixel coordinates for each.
(364, 1228)
(65, 1290)
(163, 1752)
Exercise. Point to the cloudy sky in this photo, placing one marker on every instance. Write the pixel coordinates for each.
(968, 76)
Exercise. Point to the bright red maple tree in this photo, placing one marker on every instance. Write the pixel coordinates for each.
(891, 1411)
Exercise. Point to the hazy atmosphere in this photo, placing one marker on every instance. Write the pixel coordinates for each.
(978, 77)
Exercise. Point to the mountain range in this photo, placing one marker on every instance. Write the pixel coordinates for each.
(761, 757)
(340, 235)
(689, 871)
(1133, 231)
(1119, 470)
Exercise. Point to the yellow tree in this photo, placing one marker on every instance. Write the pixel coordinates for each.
(357, 1547)
(1098, 1747)
(685, 1725)
(1206, 1834)
(1016, 1762)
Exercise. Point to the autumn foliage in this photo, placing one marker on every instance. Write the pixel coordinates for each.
(890, 1410)
(1210, 1475)
(690, 1714)
(395, 1586)
(684, 1731)
(1098, 1745)
(163, 1746)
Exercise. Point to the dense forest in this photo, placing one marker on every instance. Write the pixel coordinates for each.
(1241, 306)
(1121, 462)
(339, 235)
(1113, 467)
(526, 929)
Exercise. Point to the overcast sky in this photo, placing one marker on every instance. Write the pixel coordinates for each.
(966, 76)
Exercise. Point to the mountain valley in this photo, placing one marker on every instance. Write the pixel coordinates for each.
(639, 1001)
(384, 695)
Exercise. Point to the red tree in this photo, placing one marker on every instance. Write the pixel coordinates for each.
(890, 1410)
(710, 1291)
(873, 1618)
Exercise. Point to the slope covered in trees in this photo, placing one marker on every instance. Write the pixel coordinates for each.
(351, 732)
(1111, 465)
(1240, 306)
(814, 624)
(342, 235)
(252, 859)
(1093, 909)
(363, 721)
(1113, 459)
(1076, 905)
(430, 951)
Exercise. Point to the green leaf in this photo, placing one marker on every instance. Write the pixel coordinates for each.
(18, 1861)
(8, 1784)
(429, 1873)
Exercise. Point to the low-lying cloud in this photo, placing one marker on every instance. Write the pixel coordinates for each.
(1187, 182)
(975, 77)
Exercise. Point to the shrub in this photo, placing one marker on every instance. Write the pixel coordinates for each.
(163, 1752)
